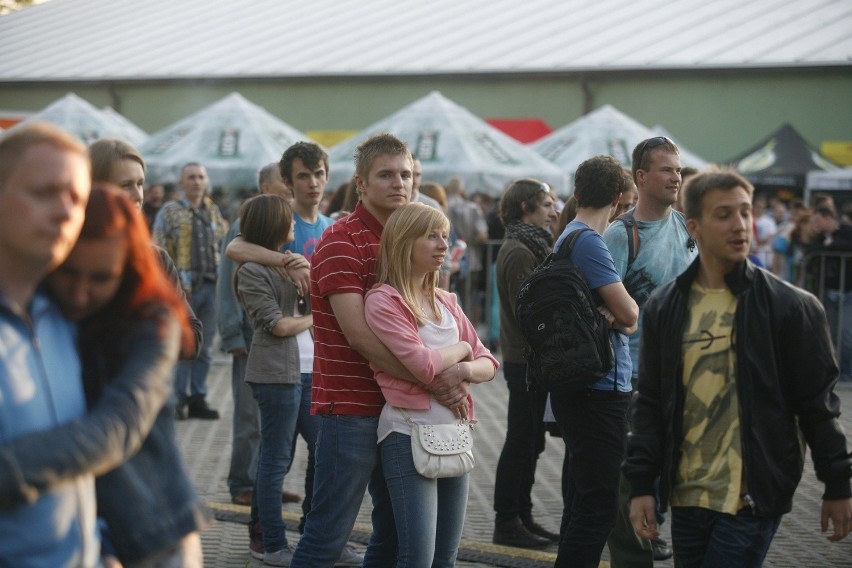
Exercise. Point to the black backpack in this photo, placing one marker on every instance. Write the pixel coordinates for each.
(568, 347)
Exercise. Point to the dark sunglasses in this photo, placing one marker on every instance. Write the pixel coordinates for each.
(650, 144)
(302, 306)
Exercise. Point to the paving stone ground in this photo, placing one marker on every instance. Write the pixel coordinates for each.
(206, 447)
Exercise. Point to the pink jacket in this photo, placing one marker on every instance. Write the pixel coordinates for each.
(393, 323)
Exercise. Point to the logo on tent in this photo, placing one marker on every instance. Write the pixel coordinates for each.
(494, 149)
(557, 148)
(759, 160)
(618, 150)
(229, 142)
(170, 140)
(427, 146)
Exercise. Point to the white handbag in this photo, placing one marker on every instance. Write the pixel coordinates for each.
(442, 450)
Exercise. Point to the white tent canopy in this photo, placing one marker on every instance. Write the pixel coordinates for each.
(603, 131)
(835, 180)
(134, 134)
(232, 138)
(451, 141)
(83, 120)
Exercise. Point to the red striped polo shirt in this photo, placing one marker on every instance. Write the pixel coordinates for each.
(344, 262)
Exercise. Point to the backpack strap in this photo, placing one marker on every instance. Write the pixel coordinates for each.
(632, 229)
(567, 246)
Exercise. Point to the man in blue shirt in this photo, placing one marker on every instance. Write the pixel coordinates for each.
(44, 187)
(662, 249)
(594, 421)
(236, 333)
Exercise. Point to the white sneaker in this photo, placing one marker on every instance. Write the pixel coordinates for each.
(349, 557)
(279, 557)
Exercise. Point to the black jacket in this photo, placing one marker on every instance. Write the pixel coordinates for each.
(786, 371)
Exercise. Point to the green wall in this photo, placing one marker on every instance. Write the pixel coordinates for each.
(715, 114)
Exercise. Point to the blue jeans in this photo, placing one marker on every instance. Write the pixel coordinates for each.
(246, 434)
(701, 537)
(308, 427)
(429, 513)
(279, 409)
(594, 427)
(193, 374)
(347, 463)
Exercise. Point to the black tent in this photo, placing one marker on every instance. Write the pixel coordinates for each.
(781, 160)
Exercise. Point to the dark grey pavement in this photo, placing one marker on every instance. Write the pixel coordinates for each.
(206, 447)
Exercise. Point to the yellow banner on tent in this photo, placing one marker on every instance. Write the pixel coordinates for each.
(838, 150)
(329, 138)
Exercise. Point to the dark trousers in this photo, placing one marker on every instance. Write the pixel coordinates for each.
(626, 550)
(704, 538)
(524, 443)
(593, 425)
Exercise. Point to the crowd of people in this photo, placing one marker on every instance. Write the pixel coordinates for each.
(353, 315)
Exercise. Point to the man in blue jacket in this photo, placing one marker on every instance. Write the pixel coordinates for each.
(734, 364)
(44, 187)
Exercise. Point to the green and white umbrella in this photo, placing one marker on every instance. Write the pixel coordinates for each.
(450, 141)
(233, 138)
(605, 131)
(77, 116)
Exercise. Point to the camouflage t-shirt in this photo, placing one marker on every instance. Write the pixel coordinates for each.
(710, 474)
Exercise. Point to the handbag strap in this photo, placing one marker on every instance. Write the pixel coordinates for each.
(413, 423)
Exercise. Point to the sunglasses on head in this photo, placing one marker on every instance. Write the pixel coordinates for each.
(650, 144)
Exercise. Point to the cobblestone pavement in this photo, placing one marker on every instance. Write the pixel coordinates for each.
(206, 447)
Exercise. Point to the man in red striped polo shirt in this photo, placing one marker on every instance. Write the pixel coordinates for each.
(345, 393)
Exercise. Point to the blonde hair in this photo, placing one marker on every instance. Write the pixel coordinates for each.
(105, 153)
(404, 226)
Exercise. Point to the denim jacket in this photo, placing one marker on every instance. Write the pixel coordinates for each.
(234, 327)
(147, 501)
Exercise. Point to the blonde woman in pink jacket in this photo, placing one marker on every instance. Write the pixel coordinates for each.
(424, 327)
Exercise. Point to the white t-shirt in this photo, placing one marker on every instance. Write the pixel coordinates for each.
(765, 229)
(434, 336)
(305, 341)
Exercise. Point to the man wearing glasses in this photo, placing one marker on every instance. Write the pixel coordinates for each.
(662, 250)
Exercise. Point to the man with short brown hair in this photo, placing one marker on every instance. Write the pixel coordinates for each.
(736, 366)
(345, 393)
(44, 187)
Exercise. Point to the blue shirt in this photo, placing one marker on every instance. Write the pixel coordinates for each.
(663, 255)
(40, 388)
(592, 257)
(307, 235)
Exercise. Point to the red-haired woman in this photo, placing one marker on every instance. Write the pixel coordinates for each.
(132, 326)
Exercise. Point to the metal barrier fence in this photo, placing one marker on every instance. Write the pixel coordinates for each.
(468, 295)
(815, 268)
(828, 275)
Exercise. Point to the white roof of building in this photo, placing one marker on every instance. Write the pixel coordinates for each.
(184, 39)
